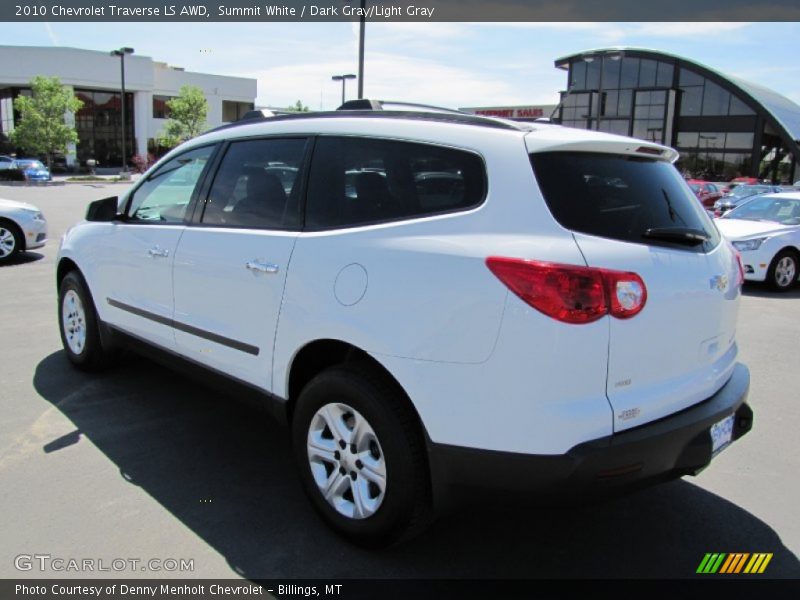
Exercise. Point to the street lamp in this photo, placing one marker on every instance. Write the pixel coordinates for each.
(343, 79)
(707, 139)
(121, 53)
(361, 33)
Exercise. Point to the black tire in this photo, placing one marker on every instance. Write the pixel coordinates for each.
(6, 228)
(406, 507)
(91, 355)
(774, 280)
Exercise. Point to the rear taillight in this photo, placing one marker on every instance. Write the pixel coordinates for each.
(739, 264)
(570, 293)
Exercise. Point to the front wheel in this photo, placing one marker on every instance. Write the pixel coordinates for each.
(782, 272)
(10, 241)
(361, 456)
(78, 324)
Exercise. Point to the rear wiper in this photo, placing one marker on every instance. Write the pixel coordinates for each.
(679, 235)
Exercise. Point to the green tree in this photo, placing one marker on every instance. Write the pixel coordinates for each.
(42, 128)
(187, 117)
(298, 107)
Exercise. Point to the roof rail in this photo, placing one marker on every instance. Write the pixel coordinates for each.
(418, 115)
(365, 104)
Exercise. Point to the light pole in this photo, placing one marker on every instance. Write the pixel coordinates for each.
(361, 33)
(343, 79)
(121, 53)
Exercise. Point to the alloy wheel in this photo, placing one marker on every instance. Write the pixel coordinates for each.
(347, 461)
(785, 271)
(7, 242)
(73, 320)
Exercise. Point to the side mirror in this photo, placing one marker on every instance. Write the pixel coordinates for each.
(104, 210)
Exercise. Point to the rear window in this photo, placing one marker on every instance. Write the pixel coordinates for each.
(620, 197)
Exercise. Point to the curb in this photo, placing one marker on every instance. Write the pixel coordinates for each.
(32, 183)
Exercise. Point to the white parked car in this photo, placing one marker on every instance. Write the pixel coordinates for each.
(766, 231)
(560, 317)
(22, 227)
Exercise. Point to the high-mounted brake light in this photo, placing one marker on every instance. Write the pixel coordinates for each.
(650, 150)
(570, 293)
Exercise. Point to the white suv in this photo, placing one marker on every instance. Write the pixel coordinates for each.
(430, 301)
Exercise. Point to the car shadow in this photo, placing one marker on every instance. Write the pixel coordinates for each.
(23, 258)
(225, 471)
(762, 290)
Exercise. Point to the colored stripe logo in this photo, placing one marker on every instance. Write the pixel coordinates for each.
(734, 563)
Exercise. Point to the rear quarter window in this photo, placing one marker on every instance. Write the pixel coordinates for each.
(358, 181)
(620, 197)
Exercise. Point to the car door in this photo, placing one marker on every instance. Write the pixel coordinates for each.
(133, 263)
(231, 263)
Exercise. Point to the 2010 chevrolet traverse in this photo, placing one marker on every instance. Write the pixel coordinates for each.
(429, 299)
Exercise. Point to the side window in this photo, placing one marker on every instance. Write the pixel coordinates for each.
(358, 181)
(166, 193)
(257, 185)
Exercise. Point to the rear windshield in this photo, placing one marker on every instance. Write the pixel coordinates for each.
(621, 197)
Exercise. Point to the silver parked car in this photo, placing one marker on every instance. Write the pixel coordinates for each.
(22, 227)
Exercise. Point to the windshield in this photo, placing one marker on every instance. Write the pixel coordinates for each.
(743, 191)
(625, 198)
(785, 211)
(30, 164)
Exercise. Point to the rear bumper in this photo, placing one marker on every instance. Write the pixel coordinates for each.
(665, 449)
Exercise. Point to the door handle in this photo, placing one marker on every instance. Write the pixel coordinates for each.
(261, 267)
(158, 251)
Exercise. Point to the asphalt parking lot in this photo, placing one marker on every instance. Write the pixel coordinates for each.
(142, 463)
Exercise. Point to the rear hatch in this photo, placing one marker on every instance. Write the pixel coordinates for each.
(629, 209)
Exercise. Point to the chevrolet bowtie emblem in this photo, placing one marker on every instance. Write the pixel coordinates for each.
(719, 282)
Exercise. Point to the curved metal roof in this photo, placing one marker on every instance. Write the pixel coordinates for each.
(784, 113)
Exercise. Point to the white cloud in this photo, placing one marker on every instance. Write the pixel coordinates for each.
(705, 29)
(397, 77)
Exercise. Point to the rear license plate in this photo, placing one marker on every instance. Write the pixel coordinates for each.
(721, 435)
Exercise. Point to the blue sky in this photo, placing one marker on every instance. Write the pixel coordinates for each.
(449, 64)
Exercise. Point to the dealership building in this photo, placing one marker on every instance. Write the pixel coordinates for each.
(96, 79)
(723, 127)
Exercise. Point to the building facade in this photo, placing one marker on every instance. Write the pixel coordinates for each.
(96, 79)
(722, 126)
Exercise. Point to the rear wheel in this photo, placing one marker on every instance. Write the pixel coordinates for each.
(361, 456)
(78, 324)
(782, 272)
(10, 241)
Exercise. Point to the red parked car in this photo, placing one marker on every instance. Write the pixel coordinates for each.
(706, 192)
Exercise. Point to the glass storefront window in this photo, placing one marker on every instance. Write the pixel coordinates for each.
(625, 103)
(688, 77)
(593, 74)
(629, 77)
(739, 140)
(160, 108)
(739, 108)
(578, 75)
(691, 101)
(98, 124)
(715, 100)
(610, 100)
(617, 126)
(647, 73)
(611, 68)
(665, 74)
